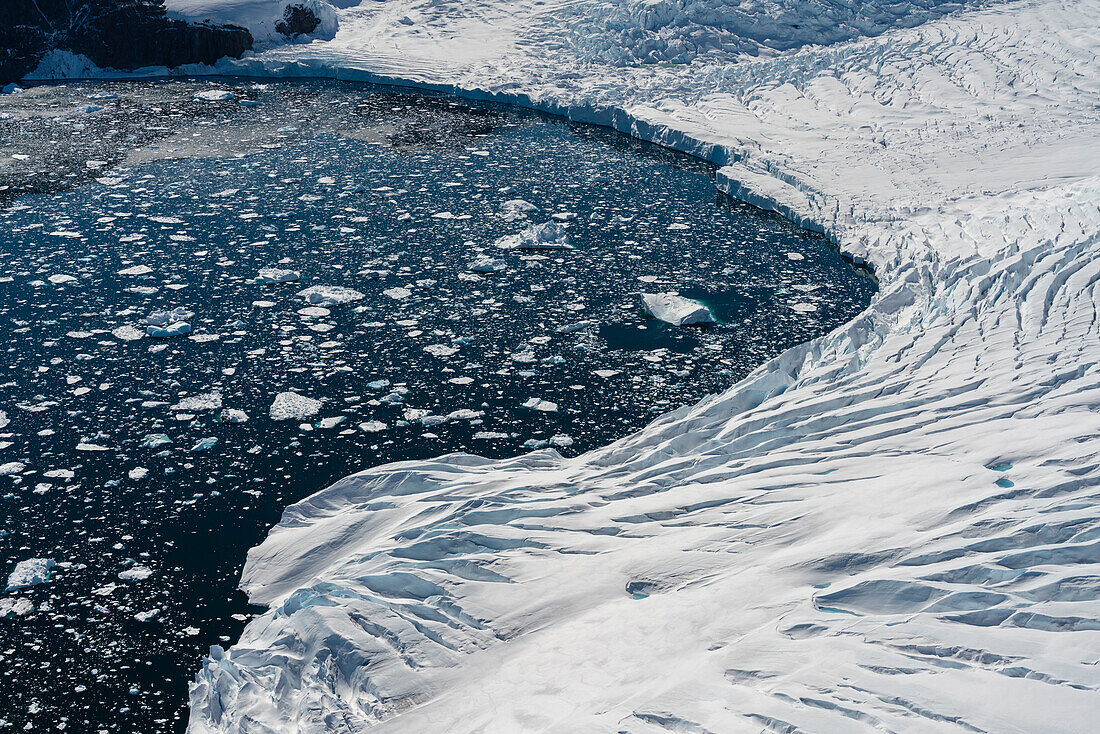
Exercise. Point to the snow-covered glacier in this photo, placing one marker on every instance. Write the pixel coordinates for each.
(894, 527)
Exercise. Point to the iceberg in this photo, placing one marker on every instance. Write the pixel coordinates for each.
(676, 310)
(325, 296)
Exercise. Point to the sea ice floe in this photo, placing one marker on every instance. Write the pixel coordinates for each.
(214, 95)
(199, 403)
(676, 310)
(233, 416)
(329, 295)
(544, 406)
(136, 270)
(293, 406)
(268, 276)
(30, 572)
(487, 265)
(136, 573)
(545, 236)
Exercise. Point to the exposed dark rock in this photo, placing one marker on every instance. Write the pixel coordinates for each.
(123, 34)
(297, 20)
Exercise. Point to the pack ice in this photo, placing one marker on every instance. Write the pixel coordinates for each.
(891, 528)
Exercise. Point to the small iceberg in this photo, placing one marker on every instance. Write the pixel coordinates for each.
(270, 276)
(676, 310)
(30, 572)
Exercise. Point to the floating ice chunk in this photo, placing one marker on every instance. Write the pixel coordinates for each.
(205, 444)
(178, 328)
(378, 384)
(164, 318)
(4, 420)
(331, 422)
(570, 328)
(516, 209)
(233, 416)
(88, 109)
(804, 307)
(15, 607)
(606, 373)
(440, 350)
(147, 616)
(153, 440)
(398, 293)
(61, 279)
(136, 573)
(59, 474)
(12, 468)
(544, 406)
(372, 426)
(292, 406)
(329, 295)
(464, 414)
(675, 310)
(564, 216)
(139, 472)
(561, 440)
(313, 312)
(30, 572)
(268, 276)
(199, 403)
(487, 265)
(89, 446)
(795, 256)
(214, 95)
(136, 270)
(127, 333)
(545, 236)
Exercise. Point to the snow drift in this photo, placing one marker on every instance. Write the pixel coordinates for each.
(893, 527)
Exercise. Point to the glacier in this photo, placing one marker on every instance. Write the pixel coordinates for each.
(893, 527)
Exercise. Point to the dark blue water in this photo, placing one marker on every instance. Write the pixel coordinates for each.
(385, 193)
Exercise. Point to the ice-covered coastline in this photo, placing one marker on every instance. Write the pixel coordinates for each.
(893, 527)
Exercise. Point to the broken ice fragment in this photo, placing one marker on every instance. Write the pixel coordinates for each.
(545, 236)
(269, 276)
(198, 403)
(292, 406)
(234, 416)
(205, 444)
(544, 406)
(30, 572)
(329, 295)
(136, 573)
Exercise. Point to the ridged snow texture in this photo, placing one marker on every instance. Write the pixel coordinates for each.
(677, 31)
(892, 528)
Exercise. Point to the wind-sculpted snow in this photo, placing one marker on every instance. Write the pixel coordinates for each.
(891, 528)
(679, 31)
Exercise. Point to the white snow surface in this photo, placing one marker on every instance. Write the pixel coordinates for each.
(823, 547)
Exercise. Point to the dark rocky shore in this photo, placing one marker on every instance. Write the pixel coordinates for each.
(122, 34)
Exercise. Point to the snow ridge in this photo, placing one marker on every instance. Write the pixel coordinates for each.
(893, 527)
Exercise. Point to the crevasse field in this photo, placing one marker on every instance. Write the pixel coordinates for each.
(891, 528)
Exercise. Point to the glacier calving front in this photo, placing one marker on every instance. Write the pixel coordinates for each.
(894, 527)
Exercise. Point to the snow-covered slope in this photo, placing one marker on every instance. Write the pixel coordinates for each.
(892, 528)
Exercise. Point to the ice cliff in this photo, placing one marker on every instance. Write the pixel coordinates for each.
(891, 528)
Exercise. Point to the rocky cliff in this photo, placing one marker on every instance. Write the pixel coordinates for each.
(123, 34)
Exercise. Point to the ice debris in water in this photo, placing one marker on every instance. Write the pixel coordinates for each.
(676, 310)
(329, 295)
(4, 420)
(487, 265)
(199, 403)
(136, 270)
(269, 276)
(545, 236)
(205, 444)
(234, 416)
(165, 324)
(544, 406)
(15, 607)
(214, 95)
(292, 406)
(516, 209)
(12, 467)
(30, 572)
(61, 279)
(136, 573)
